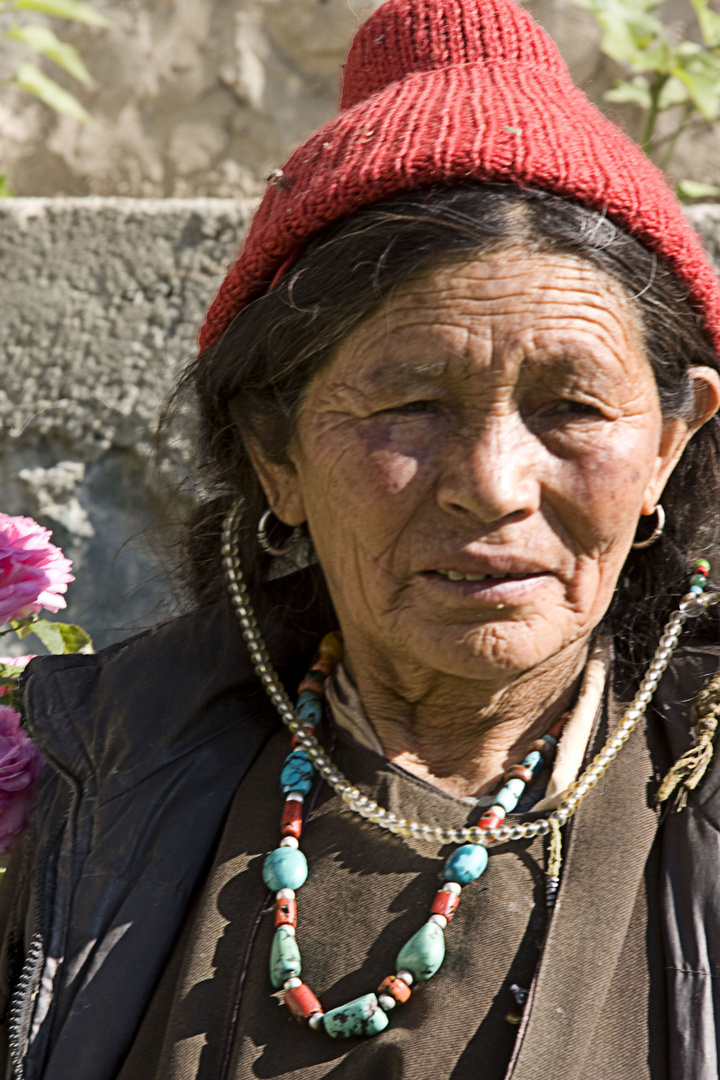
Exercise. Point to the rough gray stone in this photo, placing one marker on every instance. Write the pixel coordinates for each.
(102, 301)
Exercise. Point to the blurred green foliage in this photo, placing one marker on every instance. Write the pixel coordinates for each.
(681, 78)
(40, 40)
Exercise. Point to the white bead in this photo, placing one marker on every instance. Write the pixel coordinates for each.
(439, 920)
(406, 976)
(285, 894)
(292, 984)
(289, 841)
(452, 887)
(386, 1002)
(294, 796)
(316, 1021)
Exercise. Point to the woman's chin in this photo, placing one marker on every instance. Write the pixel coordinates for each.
(497, 650)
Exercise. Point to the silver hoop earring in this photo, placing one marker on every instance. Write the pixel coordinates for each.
(656, 533)
(264, 540)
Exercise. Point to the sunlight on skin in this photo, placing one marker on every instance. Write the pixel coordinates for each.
(500, 418)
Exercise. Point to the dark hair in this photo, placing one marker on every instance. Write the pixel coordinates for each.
(254, 378)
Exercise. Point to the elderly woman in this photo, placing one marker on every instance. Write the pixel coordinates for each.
(457, 410)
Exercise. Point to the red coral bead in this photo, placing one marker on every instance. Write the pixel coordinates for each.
(302, 1003)
(396, 988)
(307, 729)
(445, 904)
(324, 665)
(285, 912)
(518, 772)
(313, 685)
(492, 819)
(291, 820)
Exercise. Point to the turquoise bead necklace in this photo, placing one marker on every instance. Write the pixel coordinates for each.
(285, 869)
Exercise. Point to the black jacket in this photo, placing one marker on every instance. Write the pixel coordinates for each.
(145, 744)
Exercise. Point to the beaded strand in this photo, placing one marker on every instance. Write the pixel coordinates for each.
(285, 871)
(693, 604)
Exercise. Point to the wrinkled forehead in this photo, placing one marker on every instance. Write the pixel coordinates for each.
(488, 312)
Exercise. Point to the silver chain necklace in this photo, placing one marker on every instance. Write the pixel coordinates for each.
(691, 606)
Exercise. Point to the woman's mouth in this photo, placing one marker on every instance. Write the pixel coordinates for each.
(504, 587)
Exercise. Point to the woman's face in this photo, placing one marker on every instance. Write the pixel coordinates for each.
(473, 463)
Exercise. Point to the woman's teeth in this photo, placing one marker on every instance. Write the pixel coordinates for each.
(453, 575)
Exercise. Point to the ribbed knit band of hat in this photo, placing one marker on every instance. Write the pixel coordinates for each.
(450, 92)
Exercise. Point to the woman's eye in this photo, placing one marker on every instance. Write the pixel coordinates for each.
(569, 408)
(412, 408)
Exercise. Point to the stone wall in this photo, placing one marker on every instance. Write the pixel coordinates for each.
(206, 97)
(102, 300)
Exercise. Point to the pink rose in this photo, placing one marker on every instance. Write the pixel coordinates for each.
(33, 572)
(14, 661)
(20, 765)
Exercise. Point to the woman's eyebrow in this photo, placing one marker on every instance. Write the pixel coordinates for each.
(401, 373)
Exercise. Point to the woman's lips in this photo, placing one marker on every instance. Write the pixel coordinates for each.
(496, 588)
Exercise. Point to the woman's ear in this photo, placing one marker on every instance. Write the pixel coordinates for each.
(677, 432)
(280, 482)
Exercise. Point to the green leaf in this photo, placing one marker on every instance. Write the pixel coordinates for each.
(42, 40)
(709, 23)
(693, 189)
(6, 192)
(673, 94)
(23, 627)
(61, 638)
(76, 10)
(704, 90)
(633, 92)
(31, 78)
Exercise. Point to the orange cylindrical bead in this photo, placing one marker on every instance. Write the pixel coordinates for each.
(396, 988)
(313, 685)
(557, 728)
(286, 911)
(302, 1003)
(445, 904)
(291, 821)
(324, 665)
(518, 772)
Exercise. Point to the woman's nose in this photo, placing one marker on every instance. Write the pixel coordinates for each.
(492, 474)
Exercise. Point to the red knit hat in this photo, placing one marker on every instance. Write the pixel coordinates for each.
(446, 91)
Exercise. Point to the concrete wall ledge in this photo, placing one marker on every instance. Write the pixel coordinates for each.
(102, 299)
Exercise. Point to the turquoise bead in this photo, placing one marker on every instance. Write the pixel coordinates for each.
(297, 773)
(466, 864)
(309, 707)
(423, 954)
(533, 761)
(517, 786)
(696, 590)
(284, 957)
(363, 1016)
(285, 868)
(507, 798)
